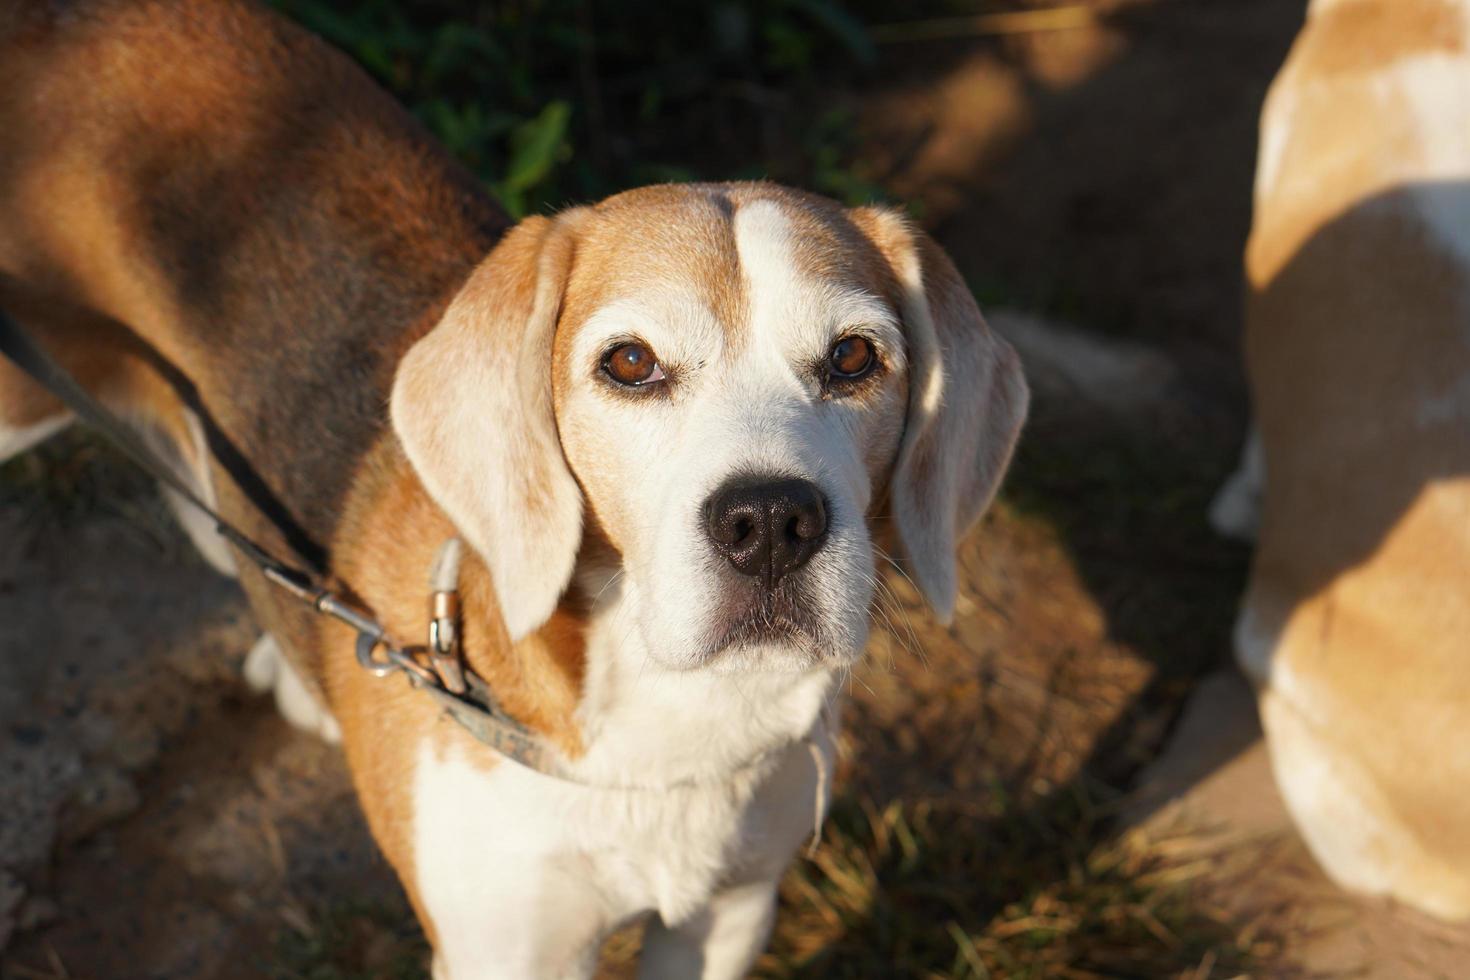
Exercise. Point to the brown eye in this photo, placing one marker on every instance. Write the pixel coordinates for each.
(851, 358)
(632, 365)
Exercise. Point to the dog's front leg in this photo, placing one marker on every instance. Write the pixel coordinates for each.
(531, 921)
(718, 943)
(499, 889)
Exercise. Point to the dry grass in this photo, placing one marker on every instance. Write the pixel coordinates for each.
(917, 890)
(928, 890)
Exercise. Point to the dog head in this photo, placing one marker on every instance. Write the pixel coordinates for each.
(733, 382)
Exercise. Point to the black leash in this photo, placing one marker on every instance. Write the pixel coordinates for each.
(464, 696)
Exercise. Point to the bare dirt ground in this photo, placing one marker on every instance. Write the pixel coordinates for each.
(1004, 802)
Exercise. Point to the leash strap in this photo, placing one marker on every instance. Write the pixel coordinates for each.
(466, 698)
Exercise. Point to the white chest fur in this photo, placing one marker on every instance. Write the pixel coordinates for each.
(523, 875)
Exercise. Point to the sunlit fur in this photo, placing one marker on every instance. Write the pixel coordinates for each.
(744, 399)
(1355, 619)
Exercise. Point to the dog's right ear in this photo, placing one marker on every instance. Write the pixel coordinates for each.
(472, 406)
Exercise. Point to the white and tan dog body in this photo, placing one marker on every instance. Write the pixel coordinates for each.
(1356, 623)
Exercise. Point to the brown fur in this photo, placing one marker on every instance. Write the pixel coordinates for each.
(1361, 35)
(677, 236)
(1357, 356)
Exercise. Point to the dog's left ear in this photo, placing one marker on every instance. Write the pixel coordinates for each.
(472, 406)
(967, 401)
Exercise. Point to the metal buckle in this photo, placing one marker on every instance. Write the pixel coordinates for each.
(444, 641)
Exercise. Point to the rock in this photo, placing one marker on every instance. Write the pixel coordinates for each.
(1065, 362)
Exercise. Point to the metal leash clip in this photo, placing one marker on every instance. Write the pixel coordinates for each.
(446, 670)
(394, 660)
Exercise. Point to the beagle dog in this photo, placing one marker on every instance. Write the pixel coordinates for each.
(1355, 626)
(674, 429)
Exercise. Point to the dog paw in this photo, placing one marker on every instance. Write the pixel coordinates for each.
(267, 670)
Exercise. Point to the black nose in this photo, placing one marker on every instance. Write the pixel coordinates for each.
(766, 528)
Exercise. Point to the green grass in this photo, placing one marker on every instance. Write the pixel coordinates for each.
(556, 101)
